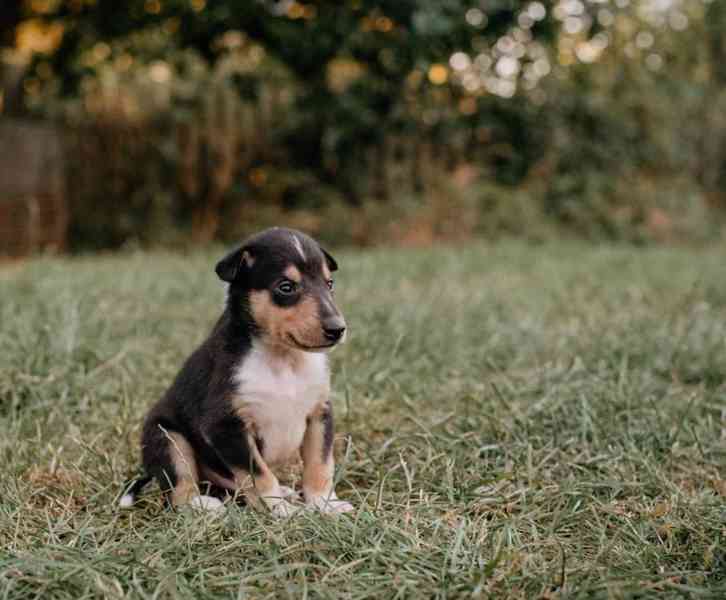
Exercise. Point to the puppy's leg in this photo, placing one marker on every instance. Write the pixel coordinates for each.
(237, 447)
(169, 457)
(319, 466)
(264, 488)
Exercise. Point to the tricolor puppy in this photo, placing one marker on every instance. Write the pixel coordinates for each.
(257, 390)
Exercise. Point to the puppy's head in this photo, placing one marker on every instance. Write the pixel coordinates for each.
(283, 279)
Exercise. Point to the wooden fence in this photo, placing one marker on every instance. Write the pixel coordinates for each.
(33, 206)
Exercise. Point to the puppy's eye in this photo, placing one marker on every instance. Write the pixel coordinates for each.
(331, 284)
(286, 287)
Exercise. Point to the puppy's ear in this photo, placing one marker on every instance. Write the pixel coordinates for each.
(232, 266)
(332, 265)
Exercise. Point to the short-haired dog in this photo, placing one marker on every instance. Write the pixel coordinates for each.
(256, 391)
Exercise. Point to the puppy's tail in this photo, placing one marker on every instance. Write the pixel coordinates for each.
(133, 488)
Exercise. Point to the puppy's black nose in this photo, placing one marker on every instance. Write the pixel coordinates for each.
(333, 327)
(333, 333)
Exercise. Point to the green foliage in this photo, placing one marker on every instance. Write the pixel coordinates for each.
(347, 110)
(513, 421)
(389, 40)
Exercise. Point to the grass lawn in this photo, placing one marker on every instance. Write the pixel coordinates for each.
(513, 422)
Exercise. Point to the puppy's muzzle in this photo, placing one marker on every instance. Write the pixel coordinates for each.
(333, 329)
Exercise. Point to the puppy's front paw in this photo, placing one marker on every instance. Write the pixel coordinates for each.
(281, 508)
(288, 492)
(329, 504)
(203, 502)
(275, 504)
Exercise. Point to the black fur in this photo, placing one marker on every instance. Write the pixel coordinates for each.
(197, 405)
(332, 265)
(328, 432)
(134, 486)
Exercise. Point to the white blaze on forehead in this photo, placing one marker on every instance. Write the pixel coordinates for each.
(298, 246)
(293, 273)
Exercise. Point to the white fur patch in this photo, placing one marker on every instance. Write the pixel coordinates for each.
(288, 492)
(278, 399)
(127, 501)
(203, 502)
(330, 504)
(298, 247)
(283, 508)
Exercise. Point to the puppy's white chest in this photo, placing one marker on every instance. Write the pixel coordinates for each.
(278, 396)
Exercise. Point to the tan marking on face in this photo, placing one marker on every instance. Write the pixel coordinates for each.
(293, 273)
(298, 246)
(300, 321)
(185, 468)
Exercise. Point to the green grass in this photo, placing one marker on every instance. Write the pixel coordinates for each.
(513, 422)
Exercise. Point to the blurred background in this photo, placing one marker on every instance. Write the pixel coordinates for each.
(175, 123)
